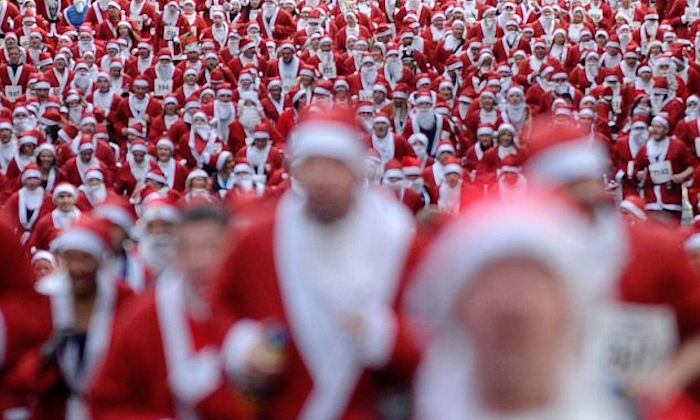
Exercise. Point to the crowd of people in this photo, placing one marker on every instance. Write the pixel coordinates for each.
(350, 209)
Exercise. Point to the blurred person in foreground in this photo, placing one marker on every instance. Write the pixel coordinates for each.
(85, 299)
(505, 306)
(25, 319)
(656, 290)
(311, 292)
(165, 361)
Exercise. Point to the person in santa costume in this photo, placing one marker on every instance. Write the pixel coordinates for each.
(624, 154)
(85, 301)
(265, 158)
(65, 213)
(155, 229)
(564, 159)
(14, 75)
(76, 167)
(174, 171)
(134, 169)
(425, 120)
(28, 204)
(664, 101)
(201, 143)
(163, 75)
(94, 191)
(8, 145)
(197, 189)
(170, 121)
(395, 181)
(223, 110)
(183, 338)
(383, 139)
(139, 106)
(663, 164)
(25, 154)
(452, 190)
(688, 129)
(468, 371)
(308, 242)
(24, 316)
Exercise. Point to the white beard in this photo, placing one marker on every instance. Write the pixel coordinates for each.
(426, 119)
(83, 82)
(225, 111)
(368, 76)
(421, 152)
(449, 197)
(516, 113)
(96, 194)
(165, 72)
(74, 114)
(325, 56)
(657, 103)
(157, 250)
(395, 68)
(249, 117)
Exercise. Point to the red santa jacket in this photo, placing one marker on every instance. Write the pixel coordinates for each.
(665, 196)
(254, 291)
(280, 26)
(623, 160)
(14, 214)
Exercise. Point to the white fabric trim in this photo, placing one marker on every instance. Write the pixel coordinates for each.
(239, 344)
(569, 161)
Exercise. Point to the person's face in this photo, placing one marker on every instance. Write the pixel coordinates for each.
(163, 153)
(443, 156)
(601, 40)
(46, 159)
(139, 157)
(140, 91)
(631, 61)
(540, 51)
(82, 270)
(5, 135)
(86, 155)
(457, 32)
(192, 56)
(88, 129)
(260, 143)
(32, 183)
(452, 179)
(190, 79)
(645, 76)
(160, 227)
(276, 92)
(657, 131)
(329, 185)
(379, 97)
(381, 129)
(559, 39)
(198, 183)
(254, 4)
(487, 102)
(172, 9)
(286, 55)
(115, 72)
(505, 139)
(218, 19)
(446, 93)
(13, 55)
(42, 268)
(516, 313)
(65, 201)
(199, 246)
(35, 42)
(113, 12)
(189, 9)
(439, 23)
(170, 109)
(27, 149)
(485, 140)
(123, 31)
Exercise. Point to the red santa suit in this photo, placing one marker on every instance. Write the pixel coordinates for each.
(391, 147)
(279, 26)
(75, 170)
(159, 382)
(24, 208)
(299, 260)
(73, 369)
(14, 82)
(175, 174)
(264, 162)
(132, 110)
(624, 155)
(661, 159)
(49, 226)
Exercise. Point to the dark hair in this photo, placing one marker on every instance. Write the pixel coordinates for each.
(205, 213)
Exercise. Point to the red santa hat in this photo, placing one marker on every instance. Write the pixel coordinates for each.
(165, 142)
(393, 169)
(561, 153)
(30, 171)
(94, 173)
(156, 174)
(634, 205)
(444, 146)
(452, 166)
(485, 129)
(86, 144)
(660, 85)
(88, 235)
(324, 88)
(412, 166)
(116, 210)
(242, 166)
(341, 83)
(660, 119)
(328, 133)
(221, 159)
(28, 137)
(138, 145)
(197, 173)
(64, 187)
(141, 82)
(5, 124)
(421, 138)
(157, 208)
(382, 117)
(261, 132)
(42, 83)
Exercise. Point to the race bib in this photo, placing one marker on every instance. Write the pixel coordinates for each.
(162, 87)
(691, 13)
(631, 340)
(697, 146)
(660, 172)
(630, 169)
(13, 92)
(171, 32)
(366, 95)
(596, 14)
(329, 72)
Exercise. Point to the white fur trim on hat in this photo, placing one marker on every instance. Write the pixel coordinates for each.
(327, 139)
(569, 161)
(80, 239)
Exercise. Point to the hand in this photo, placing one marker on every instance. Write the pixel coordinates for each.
(263, 364)
(125, 131)
(677, 178)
